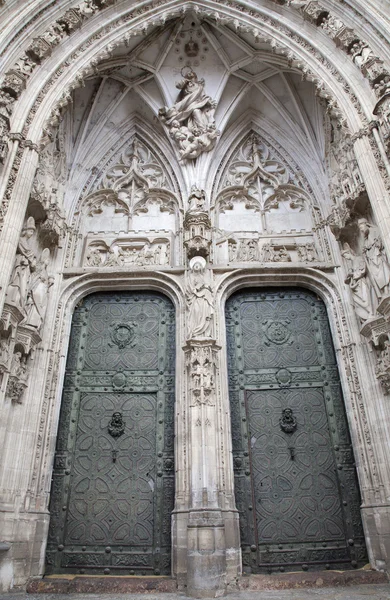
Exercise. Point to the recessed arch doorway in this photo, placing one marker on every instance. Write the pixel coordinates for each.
(295, 480)
(113, 481)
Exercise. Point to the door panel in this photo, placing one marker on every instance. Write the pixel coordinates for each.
(295, 480)
(113, 480)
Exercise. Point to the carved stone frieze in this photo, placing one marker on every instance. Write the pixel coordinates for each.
(190, 121)
(288, 249)
(130, 252)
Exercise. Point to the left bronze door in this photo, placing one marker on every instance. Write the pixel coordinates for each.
(113, 481)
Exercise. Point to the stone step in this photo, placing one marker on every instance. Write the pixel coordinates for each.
(97, 584)
(314, 579)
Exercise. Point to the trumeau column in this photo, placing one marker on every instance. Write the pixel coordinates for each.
(207, 536)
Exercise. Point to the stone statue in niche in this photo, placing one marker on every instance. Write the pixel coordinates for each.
(191, 120)
(25, 265)
(197, 200)
(362, 291)
(37, 298)
(376, 259)
(199, 296)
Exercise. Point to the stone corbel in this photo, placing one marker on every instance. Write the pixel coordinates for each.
(374, 70)
(27, 337)
(11, 316)
(314, 12)
(377, 332)
(14, 83)
(71, 20)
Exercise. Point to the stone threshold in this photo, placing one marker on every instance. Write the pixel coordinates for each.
(125, 584)
(314, 579)
(100, 584)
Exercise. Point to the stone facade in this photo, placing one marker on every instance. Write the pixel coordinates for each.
(269, 167)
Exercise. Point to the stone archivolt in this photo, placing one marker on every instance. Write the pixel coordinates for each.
(106, 208)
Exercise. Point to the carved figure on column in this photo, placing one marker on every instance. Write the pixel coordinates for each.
(17, 381)
(6, 106)
(362, 291)
(38, 294)
(191, 119)
(376, 259)
(199, 296)
(25, 265)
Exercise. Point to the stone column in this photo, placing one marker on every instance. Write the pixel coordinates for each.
(206, 545)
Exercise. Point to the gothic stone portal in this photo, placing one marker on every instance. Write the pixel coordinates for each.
(295, 480)
(113, 483)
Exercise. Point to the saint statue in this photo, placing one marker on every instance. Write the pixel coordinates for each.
(376, 259)
(38, 293)
(199, 296)
(191, 119)
(362, 291)
(25, 265)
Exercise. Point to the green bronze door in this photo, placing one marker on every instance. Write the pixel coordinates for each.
(113, 481)
(295, 480)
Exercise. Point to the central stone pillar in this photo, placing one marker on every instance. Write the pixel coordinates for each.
(206, 544)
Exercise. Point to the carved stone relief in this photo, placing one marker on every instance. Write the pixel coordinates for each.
(201, 365)
(190, 121)
(233, 248)
(130, 252)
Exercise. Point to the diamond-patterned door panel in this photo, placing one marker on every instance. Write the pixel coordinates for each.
(113, 481)
(295, 480)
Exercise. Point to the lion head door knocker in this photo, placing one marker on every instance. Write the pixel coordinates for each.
(288, 424)
(287, 421)
(123, 334)
(116, 426)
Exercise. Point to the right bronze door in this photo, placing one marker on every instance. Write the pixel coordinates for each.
(295, 479)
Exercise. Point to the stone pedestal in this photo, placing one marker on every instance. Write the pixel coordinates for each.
(206, 554)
